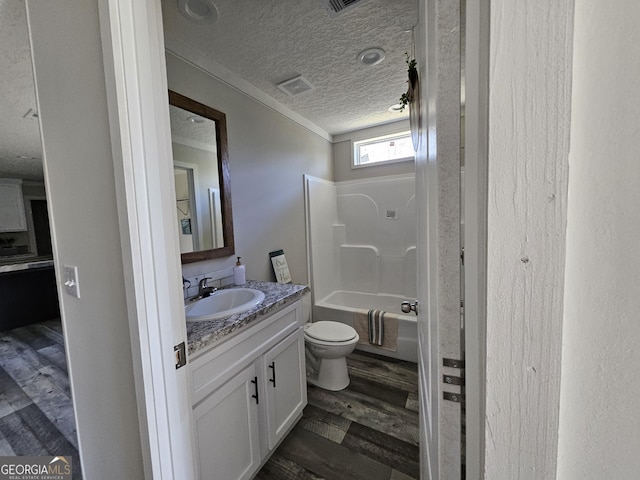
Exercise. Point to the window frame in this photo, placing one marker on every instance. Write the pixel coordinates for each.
(356, 144)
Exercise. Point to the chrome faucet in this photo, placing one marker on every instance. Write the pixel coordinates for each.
(204, 290)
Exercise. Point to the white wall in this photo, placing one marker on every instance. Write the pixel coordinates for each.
(268, 154)
(529, 120)
(79, 173)
(342, 152)
(599, 420)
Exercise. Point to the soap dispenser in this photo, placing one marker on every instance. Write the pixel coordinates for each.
(239, 276)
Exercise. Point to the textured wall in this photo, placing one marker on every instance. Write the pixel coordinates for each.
(529, 111)
(599, 421)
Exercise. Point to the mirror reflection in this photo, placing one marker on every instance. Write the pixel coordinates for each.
(203, 208)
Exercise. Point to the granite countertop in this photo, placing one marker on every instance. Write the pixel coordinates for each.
(24, 262)
(276, 295)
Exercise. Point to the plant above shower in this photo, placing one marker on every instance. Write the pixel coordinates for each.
(412, 71)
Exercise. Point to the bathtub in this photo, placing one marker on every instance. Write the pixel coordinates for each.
(340, 306)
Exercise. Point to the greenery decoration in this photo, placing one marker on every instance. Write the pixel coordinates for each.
(405, 98)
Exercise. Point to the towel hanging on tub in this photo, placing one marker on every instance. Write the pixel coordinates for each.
(375, 320)
(378, 328)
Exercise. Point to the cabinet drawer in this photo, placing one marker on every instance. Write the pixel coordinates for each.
(219, 364)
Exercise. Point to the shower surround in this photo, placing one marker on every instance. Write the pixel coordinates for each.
(361, 240)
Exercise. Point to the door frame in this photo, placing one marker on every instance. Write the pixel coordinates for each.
(475, 235)
(137, 96)
(427, 229)
(475, 229)
(136, 79)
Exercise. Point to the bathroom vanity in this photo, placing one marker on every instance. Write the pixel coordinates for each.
(248, 382)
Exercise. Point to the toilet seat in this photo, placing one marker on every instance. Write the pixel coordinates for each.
(330, 332)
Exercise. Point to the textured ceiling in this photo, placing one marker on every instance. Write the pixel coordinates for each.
(18, 136)
(265, 42)
(262, 42)
(183, 128)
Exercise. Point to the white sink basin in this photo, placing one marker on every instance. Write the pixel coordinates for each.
(223, 303)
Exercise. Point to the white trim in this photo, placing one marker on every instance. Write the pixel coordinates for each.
(136, 80)
(427, 246)
(193, 143)
(373, 131)
(193, 177)
(475, 230)
(226, 76)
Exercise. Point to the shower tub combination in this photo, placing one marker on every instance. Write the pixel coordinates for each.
(341, 306)
(361, 244)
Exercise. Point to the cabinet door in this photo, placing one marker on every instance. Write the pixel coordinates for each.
(285, 385)
(227, 431)
(12, 218)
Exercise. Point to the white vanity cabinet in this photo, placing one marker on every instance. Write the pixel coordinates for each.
(227, 433)
(12, 217)
(248, 393)
(286, 387)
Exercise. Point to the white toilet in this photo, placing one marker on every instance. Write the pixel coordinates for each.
(327, 344)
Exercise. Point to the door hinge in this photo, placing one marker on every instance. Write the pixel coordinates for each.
(452, 363)
(453, 380)
(462, 255)
(180, 355)
(453, 397)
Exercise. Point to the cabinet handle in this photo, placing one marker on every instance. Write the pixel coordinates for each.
(273, 377)
(255, 382)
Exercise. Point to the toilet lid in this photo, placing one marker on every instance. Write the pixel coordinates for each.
(330, 331)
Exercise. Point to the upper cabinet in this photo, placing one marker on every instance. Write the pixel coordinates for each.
(12, 217)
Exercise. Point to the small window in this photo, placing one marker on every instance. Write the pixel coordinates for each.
(387, 149)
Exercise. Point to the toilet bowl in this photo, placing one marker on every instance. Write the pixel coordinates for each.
(327, 344)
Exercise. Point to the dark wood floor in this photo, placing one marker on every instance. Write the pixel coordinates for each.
(36, 412)
(369, 431)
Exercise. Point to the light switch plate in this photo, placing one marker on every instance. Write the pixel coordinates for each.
(71, 280)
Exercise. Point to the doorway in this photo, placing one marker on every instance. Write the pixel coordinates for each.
(36, 414)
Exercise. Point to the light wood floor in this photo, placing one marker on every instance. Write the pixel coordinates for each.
(369, 431)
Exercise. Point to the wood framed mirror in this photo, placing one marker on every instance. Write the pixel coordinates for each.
(204, 216)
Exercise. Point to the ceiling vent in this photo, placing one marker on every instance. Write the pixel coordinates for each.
(337, 7)
(295, 86)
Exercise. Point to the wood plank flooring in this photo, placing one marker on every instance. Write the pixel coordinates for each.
(36, 411)
(369, 431)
